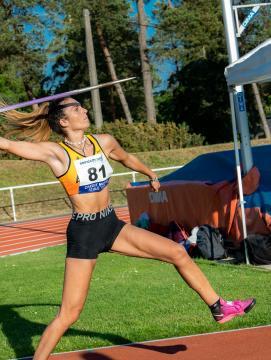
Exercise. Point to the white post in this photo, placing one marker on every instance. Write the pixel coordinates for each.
(241, 113)
(239, 176)
(12, 204)
(134, 176)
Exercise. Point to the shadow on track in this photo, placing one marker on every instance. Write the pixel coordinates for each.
(19, 332)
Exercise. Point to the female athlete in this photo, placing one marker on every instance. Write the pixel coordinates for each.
(80, 162)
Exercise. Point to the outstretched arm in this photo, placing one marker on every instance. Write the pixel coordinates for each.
(116, 152)
(32, 151)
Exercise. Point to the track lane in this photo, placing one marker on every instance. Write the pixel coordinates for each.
(240, 344)
(252, 344)
(16, 238)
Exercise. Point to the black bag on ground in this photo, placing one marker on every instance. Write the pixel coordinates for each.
(259, 248)
(210, 243)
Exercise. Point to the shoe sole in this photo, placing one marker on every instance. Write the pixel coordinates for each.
(246, 310)
(250, 306)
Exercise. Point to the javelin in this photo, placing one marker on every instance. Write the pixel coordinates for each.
(61, 95)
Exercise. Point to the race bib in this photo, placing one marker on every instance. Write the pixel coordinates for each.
(93, 173)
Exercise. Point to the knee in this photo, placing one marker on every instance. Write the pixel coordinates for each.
(70, 315)
(179, 256)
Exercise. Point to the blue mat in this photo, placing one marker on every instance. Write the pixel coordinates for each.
(220, 166)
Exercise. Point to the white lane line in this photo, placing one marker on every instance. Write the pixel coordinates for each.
(159, 340)
(32, 236)
(47, 238)
(37, 221)
(38, 227)
(33, 233)
(57, 218)
(32, 250)
(122, 213)
(21, 227)
(30, 246)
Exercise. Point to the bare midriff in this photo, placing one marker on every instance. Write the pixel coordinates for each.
(91, 202)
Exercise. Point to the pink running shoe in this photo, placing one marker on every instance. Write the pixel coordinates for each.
(231, 309)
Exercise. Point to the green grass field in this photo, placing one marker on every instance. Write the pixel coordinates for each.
(52, 200)
(129, 300)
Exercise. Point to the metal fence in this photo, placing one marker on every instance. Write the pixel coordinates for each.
(11, 189)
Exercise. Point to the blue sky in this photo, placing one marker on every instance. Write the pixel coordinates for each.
(148, 10)
(164, 69)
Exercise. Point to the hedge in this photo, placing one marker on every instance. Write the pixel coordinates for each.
(143, 136)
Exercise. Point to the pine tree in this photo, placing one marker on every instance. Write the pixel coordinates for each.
(120, 35)
(145, 64)
(24, 46)
(191, 34)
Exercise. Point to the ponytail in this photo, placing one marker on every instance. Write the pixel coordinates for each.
(36, 125)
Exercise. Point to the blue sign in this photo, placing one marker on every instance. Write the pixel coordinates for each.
(250, 16)
(241, 101)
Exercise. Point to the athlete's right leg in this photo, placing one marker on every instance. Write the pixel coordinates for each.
(78, 274)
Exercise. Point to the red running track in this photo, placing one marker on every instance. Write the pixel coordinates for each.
(16, 238)
(243, 344)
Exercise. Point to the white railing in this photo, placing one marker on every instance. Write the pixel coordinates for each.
(12, 188)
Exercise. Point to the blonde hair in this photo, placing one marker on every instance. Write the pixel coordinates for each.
(36, 125)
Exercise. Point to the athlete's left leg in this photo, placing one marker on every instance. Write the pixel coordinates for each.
(133, 241)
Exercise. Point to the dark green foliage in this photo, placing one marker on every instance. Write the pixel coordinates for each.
(145, 137)
(23, 51)
(190, 31)
(191, 34)
(202, 100)
(122, 40)
(257, 31)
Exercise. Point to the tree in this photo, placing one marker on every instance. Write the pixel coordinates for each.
(120, 35)
(257, 31)
(23, 52)
(112, 71)
(187, 32)
(200, 100)
(261, 112)
(193, 37)
(145, 64)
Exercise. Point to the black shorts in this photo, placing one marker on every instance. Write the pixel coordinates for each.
(90, 234)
